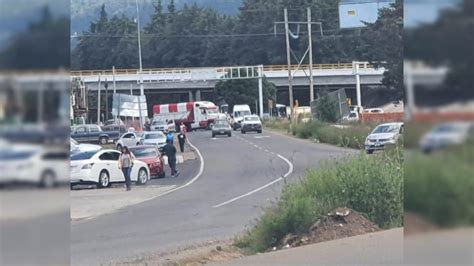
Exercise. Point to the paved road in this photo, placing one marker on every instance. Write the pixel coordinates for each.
(241, 176)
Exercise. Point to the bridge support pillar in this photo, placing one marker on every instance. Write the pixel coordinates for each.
(198, 95)
(191, 96)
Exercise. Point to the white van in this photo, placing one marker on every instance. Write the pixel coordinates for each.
(238, 114)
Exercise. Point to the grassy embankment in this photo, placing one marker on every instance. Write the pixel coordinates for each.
(371, 185)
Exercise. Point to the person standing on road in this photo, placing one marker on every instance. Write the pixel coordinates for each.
(170, 151)
(182, 140)
(126, 161)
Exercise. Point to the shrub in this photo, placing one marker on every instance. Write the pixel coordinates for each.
(440, 186)
(372, 185)
(326, 109)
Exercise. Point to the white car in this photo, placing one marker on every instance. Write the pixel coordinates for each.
(156, 138)
(383, 134)
(251, 123)
(445, 135)
(38, 165)
(129, 139)
(80, 147)
(101, 168)
(161, 125)
(353, 116)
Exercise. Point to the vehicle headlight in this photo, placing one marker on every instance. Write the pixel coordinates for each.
(87, 166)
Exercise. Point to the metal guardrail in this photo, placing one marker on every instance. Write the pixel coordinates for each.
(81, 73)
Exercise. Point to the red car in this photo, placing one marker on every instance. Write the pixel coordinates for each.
(150, 155)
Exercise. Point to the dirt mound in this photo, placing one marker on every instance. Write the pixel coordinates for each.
(340, 223)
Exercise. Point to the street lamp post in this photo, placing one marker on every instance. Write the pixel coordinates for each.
(142, 93)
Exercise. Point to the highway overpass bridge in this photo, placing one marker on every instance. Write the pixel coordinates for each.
(198, 83)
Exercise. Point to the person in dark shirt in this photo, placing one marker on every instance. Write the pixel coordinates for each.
(170, 151)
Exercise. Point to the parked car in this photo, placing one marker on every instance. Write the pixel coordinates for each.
(150, 155)
(34, 164)
(382, 135)
(221, 127)
(156, 138)
(129, 139)
(353, 116)
(251, 123)
(80, 147)
(101, 168)
(93, 133)
(445, 135)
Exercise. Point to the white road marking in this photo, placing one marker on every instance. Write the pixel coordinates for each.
(290, 170)
(201, 170)
(261, 137)
(266, 150)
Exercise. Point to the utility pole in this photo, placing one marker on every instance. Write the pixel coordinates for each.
(358, 92)
(106, 85)
(310, 40)
(260, 90)
(98, 103)
(142, 92)
(288, 59)
(113, 75)
(289, 34)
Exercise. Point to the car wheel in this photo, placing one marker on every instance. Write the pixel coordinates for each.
(103, 140)
(213, 135)
(230, 134)
(119, 147)
(48, 179)
(370, 151)
(104, 179)
(142, 177)
(71, 186)
(243, 132)
(210, 126)
(259, 132)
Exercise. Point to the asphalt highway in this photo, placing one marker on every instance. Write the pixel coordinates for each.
(223, 193)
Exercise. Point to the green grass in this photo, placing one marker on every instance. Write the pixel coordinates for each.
(440, 186)
(351, 137)
(372, 185)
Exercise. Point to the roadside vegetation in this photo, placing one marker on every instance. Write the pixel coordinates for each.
(370, 185)
(439, 187)
(352, 136)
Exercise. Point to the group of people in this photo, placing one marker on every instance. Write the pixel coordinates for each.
(127, 158)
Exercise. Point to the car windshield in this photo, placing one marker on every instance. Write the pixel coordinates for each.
(445, 128)
(83, 155)
(144, 152)
(252, 118)
(242, 113)
(158, 122)
(212, 111)
(352, 115)
(17, 155)
(221, 123)
(156, 135)
(386, 129)
(73, 141)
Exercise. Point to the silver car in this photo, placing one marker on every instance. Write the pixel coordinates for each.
(221, 127)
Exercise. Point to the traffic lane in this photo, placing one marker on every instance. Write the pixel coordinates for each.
(304, 154)
(234, 167)
(182, 217)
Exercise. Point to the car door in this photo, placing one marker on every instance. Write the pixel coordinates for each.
(94, 132)
(80, 133)
(128, 139)
(107, 162)
(118, 174)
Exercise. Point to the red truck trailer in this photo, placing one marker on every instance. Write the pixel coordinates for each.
(194, 115)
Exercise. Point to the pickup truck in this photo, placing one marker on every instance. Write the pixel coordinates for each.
(93, 133)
